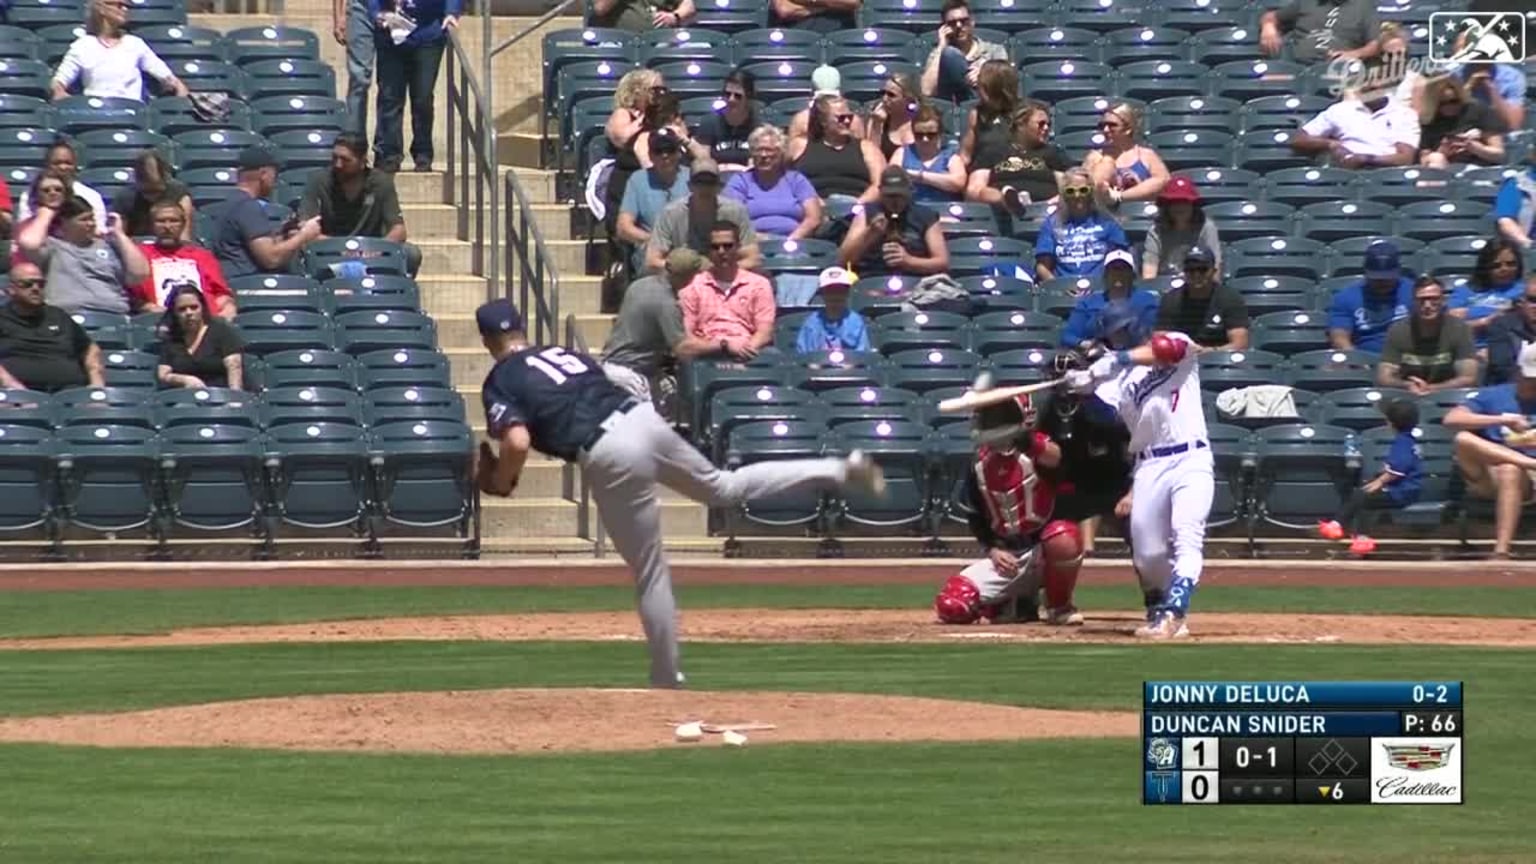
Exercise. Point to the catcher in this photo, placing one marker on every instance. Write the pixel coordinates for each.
(1012, 493)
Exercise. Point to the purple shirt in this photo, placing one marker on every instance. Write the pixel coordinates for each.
(776, 210)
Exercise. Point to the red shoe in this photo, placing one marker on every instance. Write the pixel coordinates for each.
(1330, 530)
(1362, 545)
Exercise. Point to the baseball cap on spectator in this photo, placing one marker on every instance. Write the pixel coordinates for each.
(683, 261)
(665, 140)
(704, 169)
(826, 81)
(1120, 256)
(835, 278)
(1527, 360)
(1382, 261)
(255, 157)
(498, 317)
(894, 181)
(1198, 255)
(1179, 189)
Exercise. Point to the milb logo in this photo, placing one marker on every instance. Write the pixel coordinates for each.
(1477, 37)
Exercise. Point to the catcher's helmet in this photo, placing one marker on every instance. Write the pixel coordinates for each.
(1069, 360)
(1120, 325)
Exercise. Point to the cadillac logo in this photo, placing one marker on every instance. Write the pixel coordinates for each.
(1418, 757)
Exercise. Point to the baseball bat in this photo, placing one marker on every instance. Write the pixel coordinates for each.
(971, 399)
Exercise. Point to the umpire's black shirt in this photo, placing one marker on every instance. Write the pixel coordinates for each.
(44, 349)
(561, 397)
(1093, 456)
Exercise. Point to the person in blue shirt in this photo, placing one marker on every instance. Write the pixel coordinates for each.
(1500, 86)
(1495, 453)
(834, 327)
(1514, 210)
(1398, 484)
(409, 38)
(1084, 326)
(1361, 314)
(1497, 282)
(1074, 241)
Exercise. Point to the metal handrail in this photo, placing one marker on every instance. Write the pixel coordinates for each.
(529, 261)
(576, 487)
(471, 173)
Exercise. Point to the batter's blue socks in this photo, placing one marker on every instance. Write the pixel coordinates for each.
(1179, 594)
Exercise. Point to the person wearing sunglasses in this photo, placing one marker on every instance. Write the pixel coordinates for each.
(890, 119)
(1031, 172)
(843, 168)
(1510, 330)
(41, 346)
(895, 236)
(954, 65)
(109, 62)
(1457, 129)
(1123, 169)
(1209, 312)
(933, 163)
(1497, 283)
(1076, 238)
(724, 131)
(1494, 466)
(726, 305)
(1429, 350)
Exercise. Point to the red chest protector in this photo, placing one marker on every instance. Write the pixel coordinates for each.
(1018, 500)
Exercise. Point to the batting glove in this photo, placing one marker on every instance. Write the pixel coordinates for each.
(1104, 367)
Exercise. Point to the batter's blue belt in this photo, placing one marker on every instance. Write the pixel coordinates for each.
(608, 423)
(1172, 449)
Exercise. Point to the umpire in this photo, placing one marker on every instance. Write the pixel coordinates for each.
(1096, 465)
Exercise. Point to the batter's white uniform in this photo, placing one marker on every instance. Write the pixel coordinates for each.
(1174, 478)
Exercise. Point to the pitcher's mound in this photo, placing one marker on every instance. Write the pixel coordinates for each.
(535, 720)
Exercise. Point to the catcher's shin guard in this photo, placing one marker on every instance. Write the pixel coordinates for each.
(1062, 546)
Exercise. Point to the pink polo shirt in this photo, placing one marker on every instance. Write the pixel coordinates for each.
(735, 311)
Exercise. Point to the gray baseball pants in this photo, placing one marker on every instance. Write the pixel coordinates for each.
(640, 450)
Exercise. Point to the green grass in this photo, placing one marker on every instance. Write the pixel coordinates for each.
(32, 614)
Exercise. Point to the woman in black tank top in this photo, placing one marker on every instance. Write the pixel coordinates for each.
(836, 162)
(890, 121)
(988, 128)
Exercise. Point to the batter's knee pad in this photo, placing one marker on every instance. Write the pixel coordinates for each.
(1061, 544)
(959, 602)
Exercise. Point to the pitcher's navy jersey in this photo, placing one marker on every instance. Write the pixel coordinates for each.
(561, 396)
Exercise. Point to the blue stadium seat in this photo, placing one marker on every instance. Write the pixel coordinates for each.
(1223, 184)
(1079, 114)
(378, 256)
(997, 332)
(917, 16)
(1326, 370)
(1452, 256)
(830, 370)
(1196, 148)
(1286, 112)
(211, 76)
(1177, 113)
(1156, 79)
(777, 43)
(252, 44)
(423, 475)
(1250, 79)
(179, 406)
(1437, 220)
(320, 477)
(400, 403)
(310, 368)
(129, 369)
(404, 366)
(119, 148)
(1299, 187)
(383, 329)
(1240, 220)
(311, 405)
(107, 478)
(1104, 16)
(966, 219)
(864, 81)
(1023, 365)
(272, 115)
(285, 330)
(79, 114)
(1223, 370)
(1330, 221)
(577, 44)
(1056, 80)
(1054, 44)
(1289, 332)
(1275, 256)
(1359, 407)
(303, 151)
(291, 77)
(776, 439)
(1302, 474)
(1233, 452)
(1224, 44)
(905, 331)
(870, 44)
(27, 408)
(927, 369)
(847, 404)
(213, 477)
(1012, 16)
(1146, 42)
(174, 115)
(17, 43)
(1269, 150)
(1408, 185)
(27, 480)
(900, 448)
(25, 111)
(735, 406)
(1265, 294)
(1000, 292)
(783, 78)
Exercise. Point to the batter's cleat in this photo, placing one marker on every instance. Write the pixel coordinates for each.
(1165, 624)
(864, 474)
(1362, 545)
(1330, 530)
(1063, 616)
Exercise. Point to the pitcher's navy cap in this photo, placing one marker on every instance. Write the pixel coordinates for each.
(498, 316)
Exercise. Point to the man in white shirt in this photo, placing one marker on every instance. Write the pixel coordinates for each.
(109, 62)
(1357, 135)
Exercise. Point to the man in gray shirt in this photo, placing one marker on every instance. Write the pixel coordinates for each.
(1322, 30)
(648, 331)
(84, 272)
(686, 223)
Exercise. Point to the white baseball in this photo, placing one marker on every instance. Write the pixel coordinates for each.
(689, 732)
(732, 738)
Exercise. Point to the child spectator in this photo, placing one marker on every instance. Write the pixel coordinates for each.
(834, 327)
(1397, 485)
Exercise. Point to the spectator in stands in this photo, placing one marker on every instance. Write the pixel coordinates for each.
(198, 349)
(64, 163)
(1455, 128)
(1429, 350)
(352, 28)
(890, 120)
(1507, 333)
(1085, 325)
(1322, 30)
(727, 306)
(1396, 486)
(639, 16)
(174, 262)
(630, 99)
(1493, 468)
(84, 272)
(1076, 238)
(825, 81)
(353, 200)
(989, 126)
(41, 346)
(822, 16)
(666, 112)
(50, 190)
(110, 62)
(153, 181)
(725, 131)
(409, 58)
(244, 239)
(1202, 308)
(833, 327)
(1180, 225)
(691, 222)
(842, 167)
(1499, 86)
(1030, 171)
(1354, 134)
(648, 192)
(1392, 74)
(1123, 169)
(933, 163)
(1515, 207)
(954, 65)
(648, 332)
(1496, 283)
(7, 213)
(781, 202)
(894, 234)
(1361, 314)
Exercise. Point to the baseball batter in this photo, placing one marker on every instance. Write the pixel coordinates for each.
(1155, 388)
(560, 403)
(1012, 492)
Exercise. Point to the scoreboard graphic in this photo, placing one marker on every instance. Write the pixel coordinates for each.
(1302, 742)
